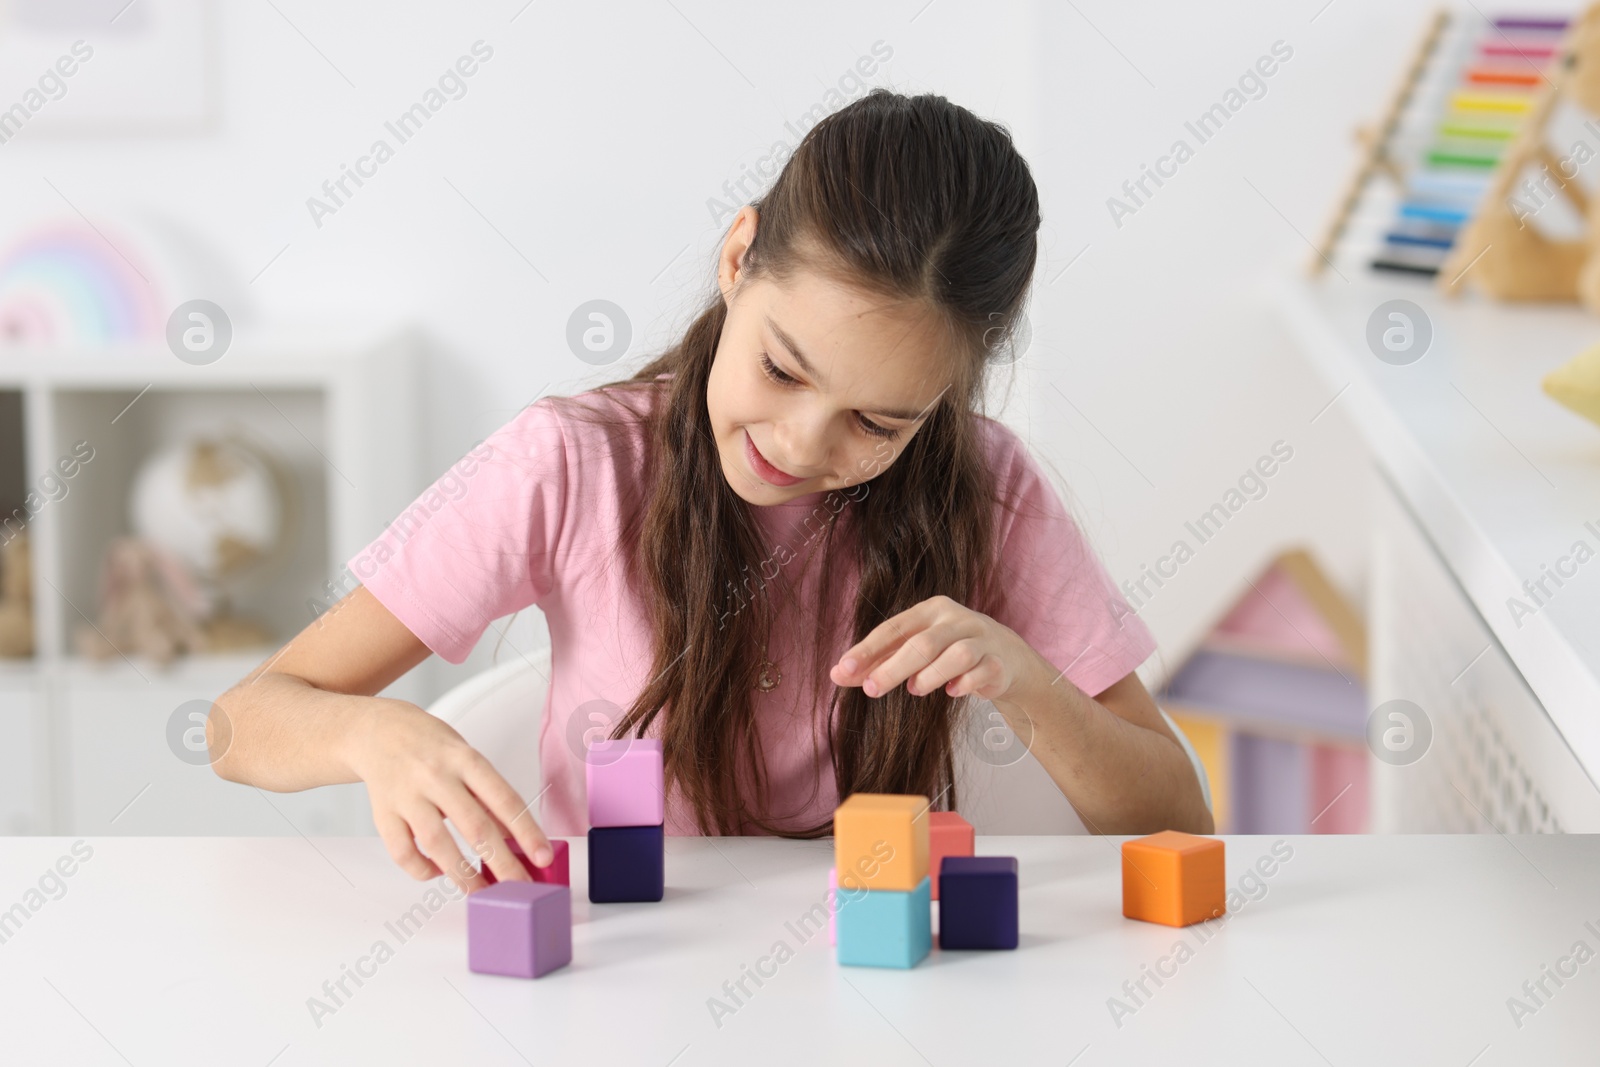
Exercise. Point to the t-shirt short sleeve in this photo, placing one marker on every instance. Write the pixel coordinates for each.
(480, 542)
(1058, 596)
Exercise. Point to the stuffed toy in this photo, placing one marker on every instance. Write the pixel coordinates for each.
(149, 604)
(16, 597)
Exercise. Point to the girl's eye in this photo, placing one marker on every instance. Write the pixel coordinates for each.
(775, 374)
(770, 369)
(878, 431)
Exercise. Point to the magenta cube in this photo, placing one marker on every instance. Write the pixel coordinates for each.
(559, 872)
(520, 929)
(624, 782)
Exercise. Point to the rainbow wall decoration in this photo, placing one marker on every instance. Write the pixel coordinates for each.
(1493, 90)
(64, 284)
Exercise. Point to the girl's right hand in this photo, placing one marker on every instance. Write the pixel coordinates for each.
(419, 771)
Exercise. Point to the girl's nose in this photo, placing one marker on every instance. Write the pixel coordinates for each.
(804, 449)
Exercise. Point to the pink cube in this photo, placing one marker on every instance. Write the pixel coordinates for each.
(559, 872)
(948, 835)
(520, 929)
(624, 781)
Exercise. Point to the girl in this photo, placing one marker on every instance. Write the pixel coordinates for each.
(790, 547)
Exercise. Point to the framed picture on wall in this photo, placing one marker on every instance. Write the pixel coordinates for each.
(107, 68)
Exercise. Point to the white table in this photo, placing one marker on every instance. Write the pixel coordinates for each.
(1376, 950)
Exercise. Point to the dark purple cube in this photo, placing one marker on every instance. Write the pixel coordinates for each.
(626, 864)
(978, 902)
(522, 929)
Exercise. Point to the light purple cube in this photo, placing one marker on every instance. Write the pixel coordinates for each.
(624, 781)
(521, 929)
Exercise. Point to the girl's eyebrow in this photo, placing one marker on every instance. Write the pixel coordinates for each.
(806, 365)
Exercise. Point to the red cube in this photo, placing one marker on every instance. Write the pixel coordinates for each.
(557, 873)
(948, 835)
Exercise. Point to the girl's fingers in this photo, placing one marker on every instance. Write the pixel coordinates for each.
(427, 826)
(510, 810)
(983, 679)
(954, 661)
(483, 833)
(917, 653)
(402, 848)
(885, 638)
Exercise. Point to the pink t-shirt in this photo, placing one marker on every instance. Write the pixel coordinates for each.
(533, 515)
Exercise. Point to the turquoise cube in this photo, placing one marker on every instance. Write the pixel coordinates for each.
(885, 927)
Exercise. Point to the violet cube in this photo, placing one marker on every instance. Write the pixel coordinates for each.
(623, 778)
(520, 929)
(626, 864)
(978, 902)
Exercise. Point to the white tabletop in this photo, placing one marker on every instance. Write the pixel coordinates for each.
(1359, 950)
(1502, 479)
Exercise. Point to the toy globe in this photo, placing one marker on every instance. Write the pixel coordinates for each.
(218, 506)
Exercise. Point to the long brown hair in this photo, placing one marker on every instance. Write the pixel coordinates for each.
(914, 199)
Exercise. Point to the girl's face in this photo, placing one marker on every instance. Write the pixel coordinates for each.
(814, 386)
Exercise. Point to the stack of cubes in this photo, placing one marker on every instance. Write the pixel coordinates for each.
(522, 929)
(977, 895)
(948, 835)
(627, 810)
(884, 916)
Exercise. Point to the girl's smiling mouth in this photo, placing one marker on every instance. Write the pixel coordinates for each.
(766, 471)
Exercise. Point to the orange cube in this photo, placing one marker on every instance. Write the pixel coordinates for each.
(880, 841)
(1173, 878)
(948, 835)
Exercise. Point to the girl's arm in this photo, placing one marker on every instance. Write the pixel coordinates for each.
(1112, 756)
(310, 716)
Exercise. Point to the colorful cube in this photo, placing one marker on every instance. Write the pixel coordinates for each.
(880, 841)
(1173, 878)
(624, 782)
(521, 929)
(558, 872)
(886, 927)
(626, 864)
(948, 835)
(978, 902)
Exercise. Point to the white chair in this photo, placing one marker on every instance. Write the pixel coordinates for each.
(500, 711)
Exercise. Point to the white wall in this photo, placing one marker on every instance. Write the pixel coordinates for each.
(592, 139)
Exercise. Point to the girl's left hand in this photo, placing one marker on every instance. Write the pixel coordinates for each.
(938, 643)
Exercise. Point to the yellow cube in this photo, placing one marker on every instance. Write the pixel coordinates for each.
(880, 841)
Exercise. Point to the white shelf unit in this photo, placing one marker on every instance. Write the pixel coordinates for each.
(1485, 482)
(83, 744)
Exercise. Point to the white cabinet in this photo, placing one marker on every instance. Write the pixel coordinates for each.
(84, 745)
(22, 749)
(126, 772)
(1487, 483)
(1496, 761)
